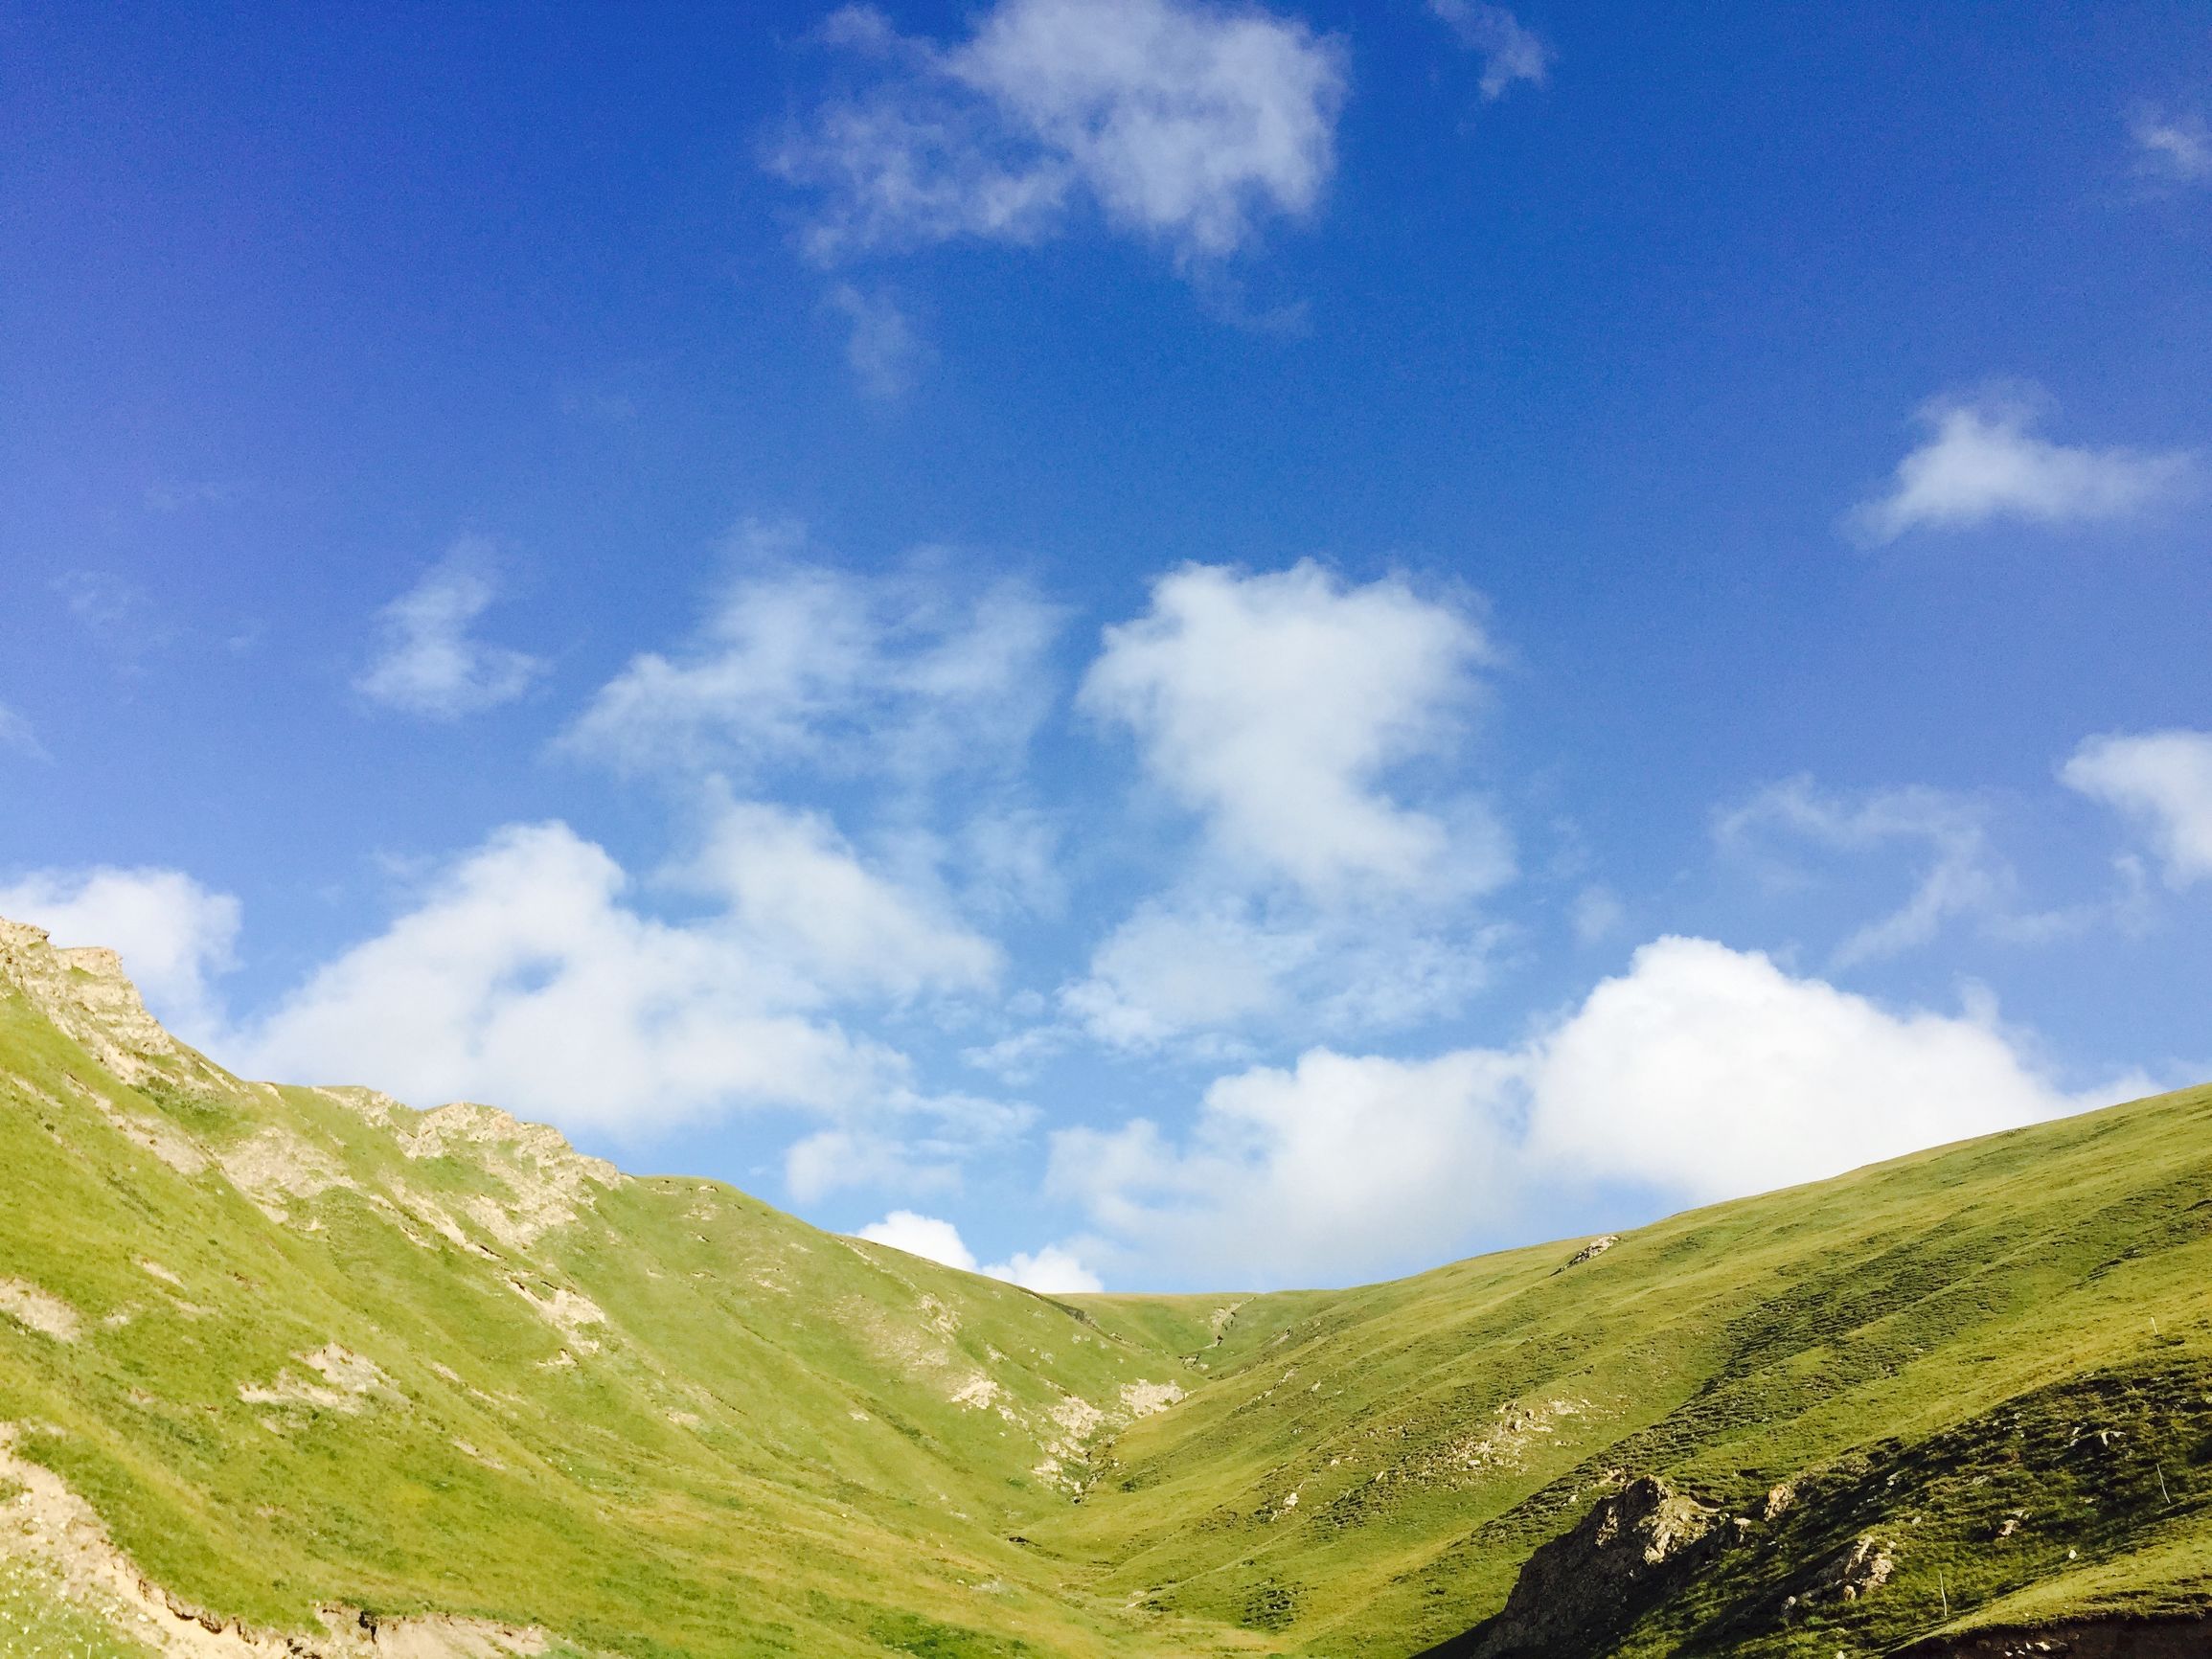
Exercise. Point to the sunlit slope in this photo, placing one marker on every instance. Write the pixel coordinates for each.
(1993, 1361)
(305, 1349)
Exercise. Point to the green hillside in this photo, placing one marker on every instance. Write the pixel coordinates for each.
(318, 1363)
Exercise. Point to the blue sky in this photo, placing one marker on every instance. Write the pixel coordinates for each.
(1150, 643)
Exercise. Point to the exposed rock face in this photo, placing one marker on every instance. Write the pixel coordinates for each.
(1585, 1587)
(85, 993)
(1595, 1248)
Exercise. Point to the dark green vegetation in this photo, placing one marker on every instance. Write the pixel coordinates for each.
(305, 1349)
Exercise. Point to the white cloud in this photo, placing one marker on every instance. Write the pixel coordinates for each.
(17, 734)
(796, 889)
(1982, 462)
(523, 977)
(173, 932)
(1286, 711)
(1275, 705)
(1702, 1073)
(428, 663)
(1709, 1073)
(1184, 123)
(923, 1236)
(2176, 148)
(902, 675)
(882, 348)
(1052, 1271)
(1325, 1171)
(1509, 50)
(2164, 780)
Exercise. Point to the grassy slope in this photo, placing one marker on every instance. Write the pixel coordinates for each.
(1921, 1347)
(767, 1450)
(831, 1496)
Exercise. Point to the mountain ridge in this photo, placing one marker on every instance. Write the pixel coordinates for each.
(309, 1358)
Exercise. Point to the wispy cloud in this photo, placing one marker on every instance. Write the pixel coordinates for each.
(2177, 148)
(882, 348)
(1184, 123)
(1509, 50)
(427, 662)
(2163, 781)
(799, 662)
(1960, 874)
(19, 737)
(117, 614)
(1982, 462)
(1957, 874)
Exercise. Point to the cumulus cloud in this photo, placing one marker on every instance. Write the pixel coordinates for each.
(1509, 50)
(427, 662)
(923, 1236)
(1702, 1073)
(1325, 1170)
(1286, 711)
(1982, 462)
(2175, 148)
(1708, 1073)
(1052, 1271)
(906, 676)
(1183, 123)
(1275, 706)
(2163, 781)
(18, 736)
(525, 974)
(882, 347)
(173, 934)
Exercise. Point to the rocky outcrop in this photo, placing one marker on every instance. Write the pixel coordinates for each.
(85, 993)
(1582, 1589)
(1591, 1251)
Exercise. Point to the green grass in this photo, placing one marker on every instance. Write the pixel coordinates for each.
(780, 1442)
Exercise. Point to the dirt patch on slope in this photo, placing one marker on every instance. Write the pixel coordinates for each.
(44, 1523)
(42, 1311)
(275, 1165)
(549, 1180)
(349, 1383)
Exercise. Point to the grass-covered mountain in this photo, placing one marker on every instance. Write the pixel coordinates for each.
(300, 1371)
